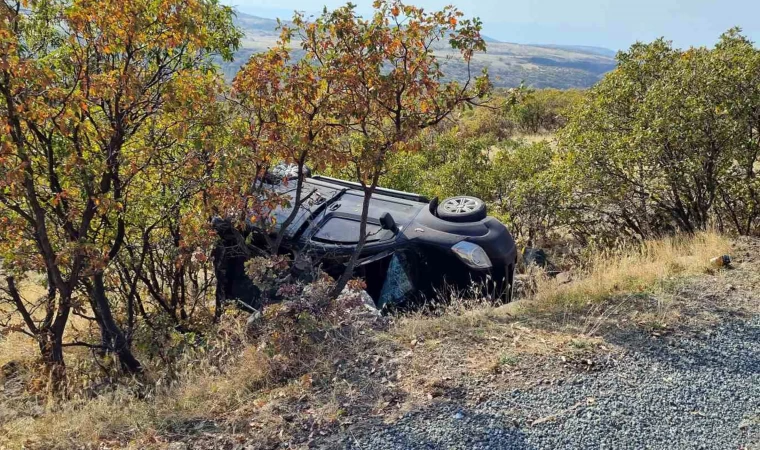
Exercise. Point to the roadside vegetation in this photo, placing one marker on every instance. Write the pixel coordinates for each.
(665, 143)
(121, 143)
(269, 382)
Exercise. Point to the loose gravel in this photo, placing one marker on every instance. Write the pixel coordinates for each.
(694, 391)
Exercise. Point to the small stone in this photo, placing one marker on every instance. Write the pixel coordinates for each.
(177, 446)
(564, 277)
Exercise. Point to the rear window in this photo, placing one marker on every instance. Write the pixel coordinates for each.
(341, 230)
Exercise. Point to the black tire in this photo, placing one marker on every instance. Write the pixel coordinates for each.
(511, 280)
(462, 209)
(504, 288)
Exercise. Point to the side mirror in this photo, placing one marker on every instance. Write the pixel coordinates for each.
(387, 222)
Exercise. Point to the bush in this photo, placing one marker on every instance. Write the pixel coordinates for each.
(527, 195)
(518, 180)
(668, 141)
(544, 110)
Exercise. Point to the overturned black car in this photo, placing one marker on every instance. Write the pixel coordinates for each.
(416, 249)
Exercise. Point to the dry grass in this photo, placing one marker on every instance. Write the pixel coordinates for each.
(636, 269)
(231, 385)
(22, 349)
(116, 414)
(530, 138)
(238, 388)
(15, 346)
(121, 419)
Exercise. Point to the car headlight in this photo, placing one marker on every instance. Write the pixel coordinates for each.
(472, 255)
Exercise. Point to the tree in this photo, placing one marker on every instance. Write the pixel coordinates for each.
(668, 141)
(737, 63)
(390, 82)
(288, 110)
(163, 275)
(527, 195)
(80, 82)
(544, 109)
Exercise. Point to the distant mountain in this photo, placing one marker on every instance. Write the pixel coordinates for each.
(539, 66)
(582, 49)
(489, 39)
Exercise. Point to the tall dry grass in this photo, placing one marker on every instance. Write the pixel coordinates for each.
(636, 268)
(632, 287)
(230, 380)
(208, 385)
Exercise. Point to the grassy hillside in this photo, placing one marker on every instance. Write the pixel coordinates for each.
(540, 66)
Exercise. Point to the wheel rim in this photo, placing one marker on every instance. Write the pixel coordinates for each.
(461, 205)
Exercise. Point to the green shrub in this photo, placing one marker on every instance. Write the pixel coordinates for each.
(668, 141)
(544, 110)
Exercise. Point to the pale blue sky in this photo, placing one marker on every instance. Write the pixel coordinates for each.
(607, 23)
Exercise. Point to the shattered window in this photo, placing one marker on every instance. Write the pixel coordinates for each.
(397, 283)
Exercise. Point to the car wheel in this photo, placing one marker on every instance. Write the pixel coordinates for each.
(462, 209)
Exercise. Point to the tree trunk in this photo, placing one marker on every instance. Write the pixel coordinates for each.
(48, 333)
(114, 340)
(220, 273)
(349, 271)
(51, 349)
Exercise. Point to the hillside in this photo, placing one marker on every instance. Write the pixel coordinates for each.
(539, 66)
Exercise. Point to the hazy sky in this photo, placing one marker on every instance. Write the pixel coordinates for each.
(607, 23)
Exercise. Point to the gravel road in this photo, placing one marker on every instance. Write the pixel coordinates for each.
(700, 390)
